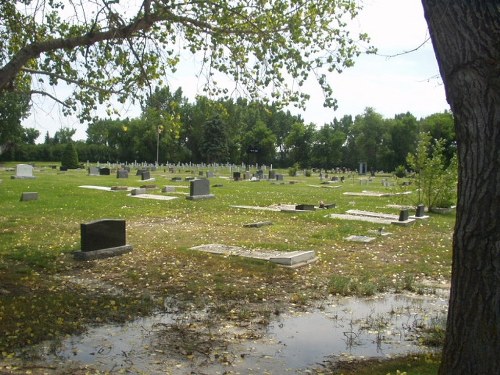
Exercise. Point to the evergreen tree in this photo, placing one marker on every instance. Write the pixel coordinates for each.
(70, 157)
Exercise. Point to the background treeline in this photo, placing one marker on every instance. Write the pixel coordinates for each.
(173, 129)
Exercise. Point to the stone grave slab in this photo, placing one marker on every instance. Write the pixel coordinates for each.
(154, 196)
(294, 258)
(364, 239)
(138, 191)
(94, 187)
(258, 224)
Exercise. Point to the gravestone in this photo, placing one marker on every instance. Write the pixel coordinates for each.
(176, 179)
(248, 175)
(122, 173)
(199, 189)
(63, 169)
(102, 239)
(403, 215)
(236, 176)
(138, 191)
(145, 175)
(29, 196)
(294, 258)
(104, 171)
(23, 171)
(363, 168)
(272, 174)
(364, 239)
(210, 174)
(420, 211)
(305, 207)
(94, 171)
(279, 177)
(168, 189)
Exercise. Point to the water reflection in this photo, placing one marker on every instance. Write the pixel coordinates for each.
(373, 327)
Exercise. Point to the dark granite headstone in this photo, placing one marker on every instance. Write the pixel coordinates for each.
(145, 175)
(403, 215)
(420, 211)
(199, 189)
(236, 176)
(104, 171)
(102, 234)
(279, 177)
(63, 169)
(305, 207)
(122, 173)
(272, 175)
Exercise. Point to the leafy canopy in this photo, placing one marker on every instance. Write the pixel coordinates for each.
(106, 48)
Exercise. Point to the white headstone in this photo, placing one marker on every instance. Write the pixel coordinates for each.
(24, 171)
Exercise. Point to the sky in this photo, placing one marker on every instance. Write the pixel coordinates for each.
(408, 82)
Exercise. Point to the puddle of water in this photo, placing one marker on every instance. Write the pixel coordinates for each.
(352, 327)
(373, 327)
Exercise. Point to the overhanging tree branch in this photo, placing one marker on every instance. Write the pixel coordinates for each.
(70, 80)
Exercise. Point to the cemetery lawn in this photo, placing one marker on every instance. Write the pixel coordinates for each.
(45, 293)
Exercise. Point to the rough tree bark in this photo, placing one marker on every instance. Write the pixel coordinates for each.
(466, 39)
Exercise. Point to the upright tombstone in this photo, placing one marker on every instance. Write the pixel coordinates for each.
(199, 189)
(104, 171)
(29, 196)
(280, 177)
(236, 176)
(145, 175)
(272, 174)
(363, 168)
(23, 171)
(420, 211)
(210, 174)
(248, 175)
(94, 171)
(122, 173)
(403, 215)
(102, 239)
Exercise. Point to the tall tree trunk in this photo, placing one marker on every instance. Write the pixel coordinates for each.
(466, 39)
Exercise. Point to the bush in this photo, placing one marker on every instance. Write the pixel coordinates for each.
(400, 171)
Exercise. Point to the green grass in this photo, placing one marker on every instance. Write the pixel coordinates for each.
(38, 237)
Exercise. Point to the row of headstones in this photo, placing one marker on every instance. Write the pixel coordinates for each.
(259, 175)
(172, 166)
